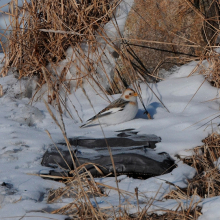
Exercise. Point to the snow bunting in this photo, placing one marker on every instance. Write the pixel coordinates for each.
(121, 110)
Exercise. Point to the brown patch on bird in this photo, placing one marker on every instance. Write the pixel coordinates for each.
(132, 103)
(131, 90)
(127, 96)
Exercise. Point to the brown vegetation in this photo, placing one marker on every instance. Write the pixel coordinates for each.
(207, 180)
(169, 33)
(41, 33)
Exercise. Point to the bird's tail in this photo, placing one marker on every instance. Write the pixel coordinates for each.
(86, 124)
(83, 126)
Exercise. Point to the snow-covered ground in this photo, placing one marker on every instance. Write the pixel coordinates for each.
(23, 141)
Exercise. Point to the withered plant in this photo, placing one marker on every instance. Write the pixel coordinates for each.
(205, 160)
(206, 182)
(41, 33)
(43, 30)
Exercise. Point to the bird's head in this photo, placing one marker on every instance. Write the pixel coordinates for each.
(129, 95)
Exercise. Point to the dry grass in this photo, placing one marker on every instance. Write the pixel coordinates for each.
(80, 208)
(191, 214)
(80, 192)
(43, 30)
(211, 69)
(41, 33)
(211, 32)
(207, 180)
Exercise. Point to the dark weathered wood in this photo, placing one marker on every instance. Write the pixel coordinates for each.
(133, 155)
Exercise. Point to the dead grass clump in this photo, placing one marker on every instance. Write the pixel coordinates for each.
(80, 188)
(212, 71)
(206, 182)
(207, 179)
(209, 66)
(178, 215)
(43, 30)
(190, 210)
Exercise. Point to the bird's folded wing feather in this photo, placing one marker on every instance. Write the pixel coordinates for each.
(117, 105)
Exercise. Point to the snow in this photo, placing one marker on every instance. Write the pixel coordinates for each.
(210, 209)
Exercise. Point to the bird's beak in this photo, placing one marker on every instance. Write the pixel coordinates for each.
(135, 94)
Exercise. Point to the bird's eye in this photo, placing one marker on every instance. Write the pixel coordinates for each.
(129, 93)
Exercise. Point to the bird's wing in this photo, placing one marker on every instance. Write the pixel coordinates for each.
(117, 105)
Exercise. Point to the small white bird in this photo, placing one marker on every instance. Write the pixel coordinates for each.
(121, 110)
